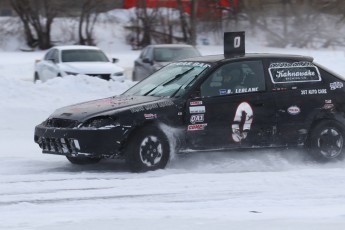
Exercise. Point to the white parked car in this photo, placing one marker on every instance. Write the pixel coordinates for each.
(60, 61)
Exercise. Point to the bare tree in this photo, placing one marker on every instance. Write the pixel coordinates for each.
(90, 10)
(37, 17)
(183, 21)
(193, 22)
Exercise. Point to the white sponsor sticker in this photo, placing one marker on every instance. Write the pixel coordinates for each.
(196, 127)
(197, 118)
(336, 85)
(150, 116)
(294, 72)
(294, 110)
(197, 109)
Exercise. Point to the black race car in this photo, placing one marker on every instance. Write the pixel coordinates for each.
(219, 102)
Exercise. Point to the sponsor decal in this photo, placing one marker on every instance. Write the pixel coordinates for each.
(279, 89)
(150, 116)
(179, 114)
(294, 110)
(242, 122)
(328, 101)
(313, 91)
(336, 85)
(241, 90)
(222, 92)
(196, 127)
(197, 118)
(192, 64)
(152, 106)
(294, 72)
(247, 90)
(196, 103)
(328, 106)
(197, 109)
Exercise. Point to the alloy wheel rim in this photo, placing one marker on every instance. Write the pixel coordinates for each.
(151, 151)
(330, 143)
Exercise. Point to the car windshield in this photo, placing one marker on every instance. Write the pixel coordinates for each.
(81, 55)
(170, 81)
(173, 53)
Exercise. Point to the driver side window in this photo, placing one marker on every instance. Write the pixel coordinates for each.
(235, 78)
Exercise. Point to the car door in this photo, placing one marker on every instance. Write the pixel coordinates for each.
(143, 64)
(50, 67)
(232, 114)
(299, 94)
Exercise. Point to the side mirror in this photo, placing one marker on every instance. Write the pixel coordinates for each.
(147, 60)
(52, 60)
(115, 60)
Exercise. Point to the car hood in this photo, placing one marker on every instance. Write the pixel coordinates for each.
(86, 110)
(90, 67)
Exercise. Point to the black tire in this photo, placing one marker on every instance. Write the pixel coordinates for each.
(134, 76)
(326, 142)
(147, 149)
(36, 77)
(83, 160)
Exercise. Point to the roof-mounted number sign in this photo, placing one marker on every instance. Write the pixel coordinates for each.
(234, 43)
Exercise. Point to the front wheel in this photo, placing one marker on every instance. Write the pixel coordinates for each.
(134, 76)
(36, 77)
(327, 141)
(147, 149)
(83, 160)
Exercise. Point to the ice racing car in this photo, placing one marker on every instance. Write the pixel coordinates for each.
(229, 101)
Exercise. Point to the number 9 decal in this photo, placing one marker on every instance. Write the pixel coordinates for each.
(242, 122)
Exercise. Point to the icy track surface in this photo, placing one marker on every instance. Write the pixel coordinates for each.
(264, 189)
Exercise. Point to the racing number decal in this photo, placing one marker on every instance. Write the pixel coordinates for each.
(242, 122)
(237, 41)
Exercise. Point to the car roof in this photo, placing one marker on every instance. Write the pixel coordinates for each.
(170, 45)
(76, 47)
(222, 57)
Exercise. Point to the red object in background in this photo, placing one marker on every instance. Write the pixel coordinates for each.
(203, 8)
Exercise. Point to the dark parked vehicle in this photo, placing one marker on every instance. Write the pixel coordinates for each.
(216, 102)
(154, 57)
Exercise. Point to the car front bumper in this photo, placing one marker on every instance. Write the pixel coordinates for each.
(74, 141)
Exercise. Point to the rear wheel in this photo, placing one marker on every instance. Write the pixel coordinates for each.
(134, 76)
(147, 149)
(36, 77)
(83, 160)
(327, 141)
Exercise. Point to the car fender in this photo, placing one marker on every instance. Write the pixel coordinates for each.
(325, 114)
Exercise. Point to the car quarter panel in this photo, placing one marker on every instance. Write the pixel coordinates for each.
(302, 96)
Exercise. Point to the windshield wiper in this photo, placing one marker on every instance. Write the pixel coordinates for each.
(168, 82)
(178, 76)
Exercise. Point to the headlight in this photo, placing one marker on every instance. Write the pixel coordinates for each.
(71, 73)
(100, 123)
(118, 74)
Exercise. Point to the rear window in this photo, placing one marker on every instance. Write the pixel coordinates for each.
(293, 72)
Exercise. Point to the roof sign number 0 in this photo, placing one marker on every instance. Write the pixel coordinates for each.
(237, 42)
